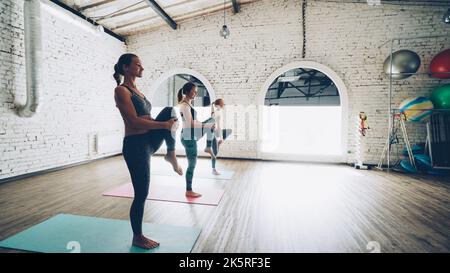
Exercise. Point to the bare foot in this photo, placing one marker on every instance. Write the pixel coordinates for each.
(172, 159)
(192, 194)
(215, 172)
(142, 242)
(208, 150)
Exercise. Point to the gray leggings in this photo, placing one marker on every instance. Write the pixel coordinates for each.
(190, 146)
(189, 138)
(215, 146)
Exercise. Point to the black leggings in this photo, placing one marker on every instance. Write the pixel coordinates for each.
(137, 150)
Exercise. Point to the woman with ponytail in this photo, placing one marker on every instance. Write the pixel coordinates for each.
(219, 134)
(144, 135)
(192, 131)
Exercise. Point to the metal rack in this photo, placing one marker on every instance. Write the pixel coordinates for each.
(438, 139)
(392, 112)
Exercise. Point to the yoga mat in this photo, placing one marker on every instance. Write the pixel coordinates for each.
(65, 233)
(198, 173)
(171, 193)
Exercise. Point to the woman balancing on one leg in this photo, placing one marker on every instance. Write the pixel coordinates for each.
(192, 131)
(143, 137)
(212, 146)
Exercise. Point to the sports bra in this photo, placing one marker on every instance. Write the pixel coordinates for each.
(141, 104)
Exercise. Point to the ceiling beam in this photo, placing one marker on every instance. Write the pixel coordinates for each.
(101, 3)
(236, 6)
(186, 16)
(162, 13)
(128, 12)
(79, 14)
(179, 18)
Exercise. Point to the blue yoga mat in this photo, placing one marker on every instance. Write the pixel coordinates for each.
(65, 233)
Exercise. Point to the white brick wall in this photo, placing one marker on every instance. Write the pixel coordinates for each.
(77, 97)
(354, 32)
(267, 35)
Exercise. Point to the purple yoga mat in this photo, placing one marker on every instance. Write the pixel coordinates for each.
(171, 193)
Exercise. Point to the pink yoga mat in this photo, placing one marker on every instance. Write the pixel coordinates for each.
(171, 193)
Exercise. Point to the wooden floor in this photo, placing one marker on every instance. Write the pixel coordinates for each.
(267, 207)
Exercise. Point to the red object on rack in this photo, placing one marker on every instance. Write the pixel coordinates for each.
(440, 65)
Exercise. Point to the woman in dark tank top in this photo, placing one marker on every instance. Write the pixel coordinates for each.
(143, 137)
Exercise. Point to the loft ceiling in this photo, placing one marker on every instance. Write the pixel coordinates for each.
(126, 17)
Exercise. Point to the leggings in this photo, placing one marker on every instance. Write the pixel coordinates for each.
(190, 145)
(215, 146)
(137, 151)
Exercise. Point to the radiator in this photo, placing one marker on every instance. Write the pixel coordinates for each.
(109, 143)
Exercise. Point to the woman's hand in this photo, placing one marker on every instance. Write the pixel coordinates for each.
(210, 126)
(172, 124)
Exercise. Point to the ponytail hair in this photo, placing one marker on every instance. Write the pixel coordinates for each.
(187, 87)
(125, 59)
(117, 76)
(216, 102)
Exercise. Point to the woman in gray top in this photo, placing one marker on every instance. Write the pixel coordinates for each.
(143, 137)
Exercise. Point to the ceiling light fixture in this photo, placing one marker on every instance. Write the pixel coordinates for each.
(224, 31)
(446, 17)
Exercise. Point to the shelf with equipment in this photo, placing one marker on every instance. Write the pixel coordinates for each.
(438, 123)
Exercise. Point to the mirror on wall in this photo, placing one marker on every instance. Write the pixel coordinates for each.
(166, 95)
(167, 92)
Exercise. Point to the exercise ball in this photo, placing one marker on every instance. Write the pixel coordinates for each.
(441, 64)
(441, 97)
(416, 108)
(403, 61)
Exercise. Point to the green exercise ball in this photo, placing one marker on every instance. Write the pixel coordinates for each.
(441, 97)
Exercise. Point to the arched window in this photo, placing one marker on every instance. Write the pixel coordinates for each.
(303, 115)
